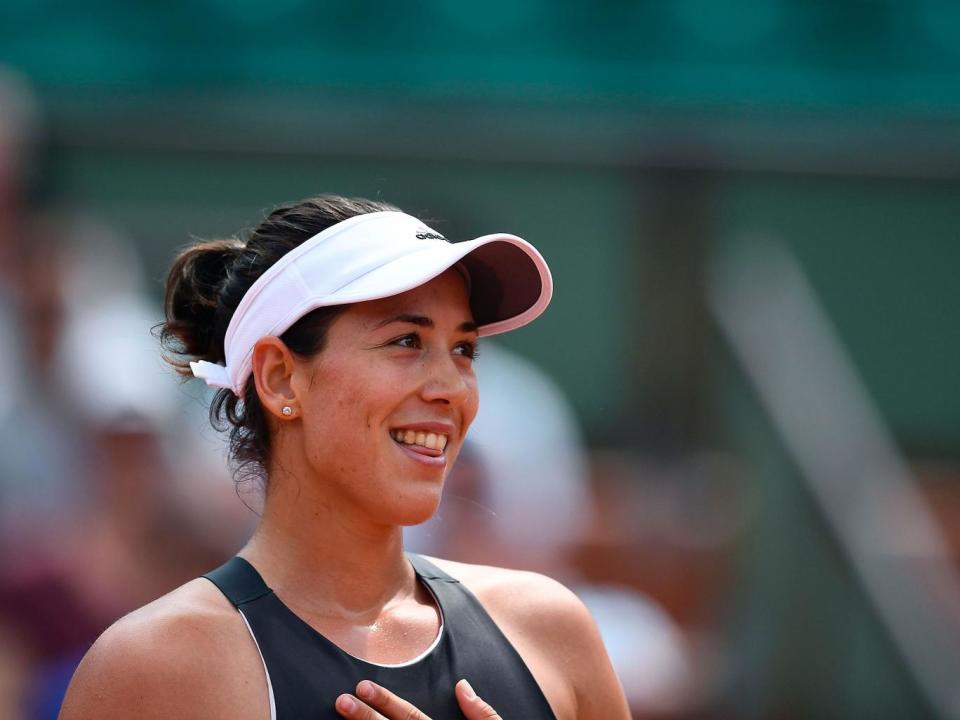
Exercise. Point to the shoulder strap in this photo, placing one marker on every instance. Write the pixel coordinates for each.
(239, 581)
(427, 570)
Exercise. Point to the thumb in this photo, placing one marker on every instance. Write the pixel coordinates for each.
(472, 704)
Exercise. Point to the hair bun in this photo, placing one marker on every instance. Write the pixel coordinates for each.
(196, 320)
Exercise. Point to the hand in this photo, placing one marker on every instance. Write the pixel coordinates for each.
(371, 697)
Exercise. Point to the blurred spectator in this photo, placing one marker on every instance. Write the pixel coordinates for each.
(38, 448)
(111, 496)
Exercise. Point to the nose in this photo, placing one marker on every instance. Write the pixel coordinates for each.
(448, 381)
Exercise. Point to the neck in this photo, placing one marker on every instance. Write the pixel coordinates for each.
(337, 564)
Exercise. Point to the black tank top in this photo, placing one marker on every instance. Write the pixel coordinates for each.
(306, 672)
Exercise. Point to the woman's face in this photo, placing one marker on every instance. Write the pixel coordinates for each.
(385, 406)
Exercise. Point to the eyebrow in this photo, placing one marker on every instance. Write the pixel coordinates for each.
(423, 321)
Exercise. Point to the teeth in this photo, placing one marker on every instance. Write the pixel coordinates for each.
(432, 441)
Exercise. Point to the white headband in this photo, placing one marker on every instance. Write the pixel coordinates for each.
(373, 256)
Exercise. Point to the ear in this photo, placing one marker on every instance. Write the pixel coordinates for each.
(273, 367)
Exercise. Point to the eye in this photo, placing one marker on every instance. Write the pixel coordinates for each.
(466, 349)
(411, 341)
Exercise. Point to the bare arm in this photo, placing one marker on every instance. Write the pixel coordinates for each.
(599, 694)
(567, 641)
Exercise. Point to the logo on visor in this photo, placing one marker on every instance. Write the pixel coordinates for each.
(428, 235)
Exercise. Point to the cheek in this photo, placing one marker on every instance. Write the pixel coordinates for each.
(472, 403)
(344, 402)
(328, 405)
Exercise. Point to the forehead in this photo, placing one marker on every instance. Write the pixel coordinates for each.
(444, 298)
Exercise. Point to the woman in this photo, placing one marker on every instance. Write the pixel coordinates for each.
(342, 335)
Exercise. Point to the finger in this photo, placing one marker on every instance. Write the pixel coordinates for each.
(393, 707)
(350, 707)
(473, 705)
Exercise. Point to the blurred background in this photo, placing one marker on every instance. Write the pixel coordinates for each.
(736, 431)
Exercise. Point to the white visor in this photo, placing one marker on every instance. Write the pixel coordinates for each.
(373, 256)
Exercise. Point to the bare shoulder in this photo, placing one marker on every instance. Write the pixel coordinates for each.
(187, 655)
(528, 600)
(555, 635)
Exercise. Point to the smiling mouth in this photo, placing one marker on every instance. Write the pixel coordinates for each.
(415, 439)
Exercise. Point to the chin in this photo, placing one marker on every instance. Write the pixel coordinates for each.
(417, 510)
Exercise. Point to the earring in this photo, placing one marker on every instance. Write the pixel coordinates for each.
(287, 410)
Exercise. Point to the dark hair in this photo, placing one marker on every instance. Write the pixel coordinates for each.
(204, 287)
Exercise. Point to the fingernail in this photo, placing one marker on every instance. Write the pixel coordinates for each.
(469, 689)
(347, 703)
(366, 690)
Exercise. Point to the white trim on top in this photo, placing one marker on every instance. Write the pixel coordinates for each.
(273, 704)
